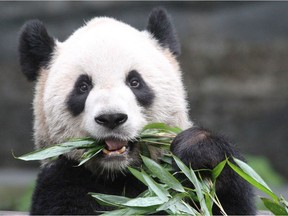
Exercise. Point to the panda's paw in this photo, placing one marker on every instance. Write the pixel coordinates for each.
(201, 148)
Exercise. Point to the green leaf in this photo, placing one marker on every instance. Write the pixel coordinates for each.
(145, 150)
(249, 175)
(161, 127)
(283, 201)
(158, 134)
(218, 169)
(110, 199)
(155, 142)
(274, 207)
(177, 198)
(184, 208)
(166, 159)
(92, 154)
(163, 174)
(209, 193)
(249, 170)
(56, 150)
(144, 202)
(138, 175)
(145, 193)
(130, 211)
(156, 188)
(194, 180)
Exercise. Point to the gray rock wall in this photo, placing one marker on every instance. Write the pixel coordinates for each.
(234, 59)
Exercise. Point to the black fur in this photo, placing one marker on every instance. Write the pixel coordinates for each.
(203, 150)
(143, 92)
(62, 188)
(35, 48)
(160, 26)
(77, 98)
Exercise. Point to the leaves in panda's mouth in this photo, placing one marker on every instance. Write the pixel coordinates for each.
(59, 149)
(155, 134)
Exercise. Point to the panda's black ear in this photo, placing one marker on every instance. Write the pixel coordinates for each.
(35, 48)
(160, 26)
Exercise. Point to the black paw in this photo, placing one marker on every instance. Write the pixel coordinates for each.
(201, 148)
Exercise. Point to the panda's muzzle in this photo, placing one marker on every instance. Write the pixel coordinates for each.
(115, 147)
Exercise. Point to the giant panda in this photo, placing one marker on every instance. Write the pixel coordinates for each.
(107, 81)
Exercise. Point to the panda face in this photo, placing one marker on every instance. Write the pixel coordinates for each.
(107, 81)
(107, 87)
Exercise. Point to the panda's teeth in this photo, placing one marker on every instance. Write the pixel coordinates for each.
(115, 152)
(105, 151)
(122, 150)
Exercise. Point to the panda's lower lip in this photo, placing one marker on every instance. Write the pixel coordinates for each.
(115, 152)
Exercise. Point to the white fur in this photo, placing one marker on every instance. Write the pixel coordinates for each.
(107, 50)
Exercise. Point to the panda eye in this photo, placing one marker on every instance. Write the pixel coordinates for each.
(83, 87)
(134, 83)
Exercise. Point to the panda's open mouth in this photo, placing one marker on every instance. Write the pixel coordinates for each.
(115, 147)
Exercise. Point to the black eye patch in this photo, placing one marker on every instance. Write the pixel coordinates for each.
(77, 98)
(141, 90)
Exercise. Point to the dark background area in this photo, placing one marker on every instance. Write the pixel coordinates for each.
(234, 59)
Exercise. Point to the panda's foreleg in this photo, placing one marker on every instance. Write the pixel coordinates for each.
(62, 189)
(201, 149)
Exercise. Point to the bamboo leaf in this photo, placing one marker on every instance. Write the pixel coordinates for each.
(283, 201)
(110, 199)
(163, 174)
(246, 168)
(177, 198)
(218, 169)
(144, 149)
(56, 150)
(194, 180)
(138, 175)
(161, 126)
(246, 175)
(183, 208)
(166, 159)
(274, 207)
(159, 191)
(130, 211)
(144, 202)
(91, 155)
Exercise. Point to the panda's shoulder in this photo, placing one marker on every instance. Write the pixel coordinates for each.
(61, 185)
(63, 171)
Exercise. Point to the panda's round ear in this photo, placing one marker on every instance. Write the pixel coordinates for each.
(162, 29)
(35, 48)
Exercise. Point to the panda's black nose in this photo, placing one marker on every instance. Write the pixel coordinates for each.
(111, 120)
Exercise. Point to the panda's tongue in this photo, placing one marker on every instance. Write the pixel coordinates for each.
(113, 145)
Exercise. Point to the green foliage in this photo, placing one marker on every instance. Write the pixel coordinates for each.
(274, 206)
(160, 172)
(164, 193)
(58, 149)
(156, 134)
(277, 205)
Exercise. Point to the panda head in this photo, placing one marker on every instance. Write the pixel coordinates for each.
(106, 81)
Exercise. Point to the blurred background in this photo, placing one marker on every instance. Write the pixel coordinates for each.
(235, 64)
